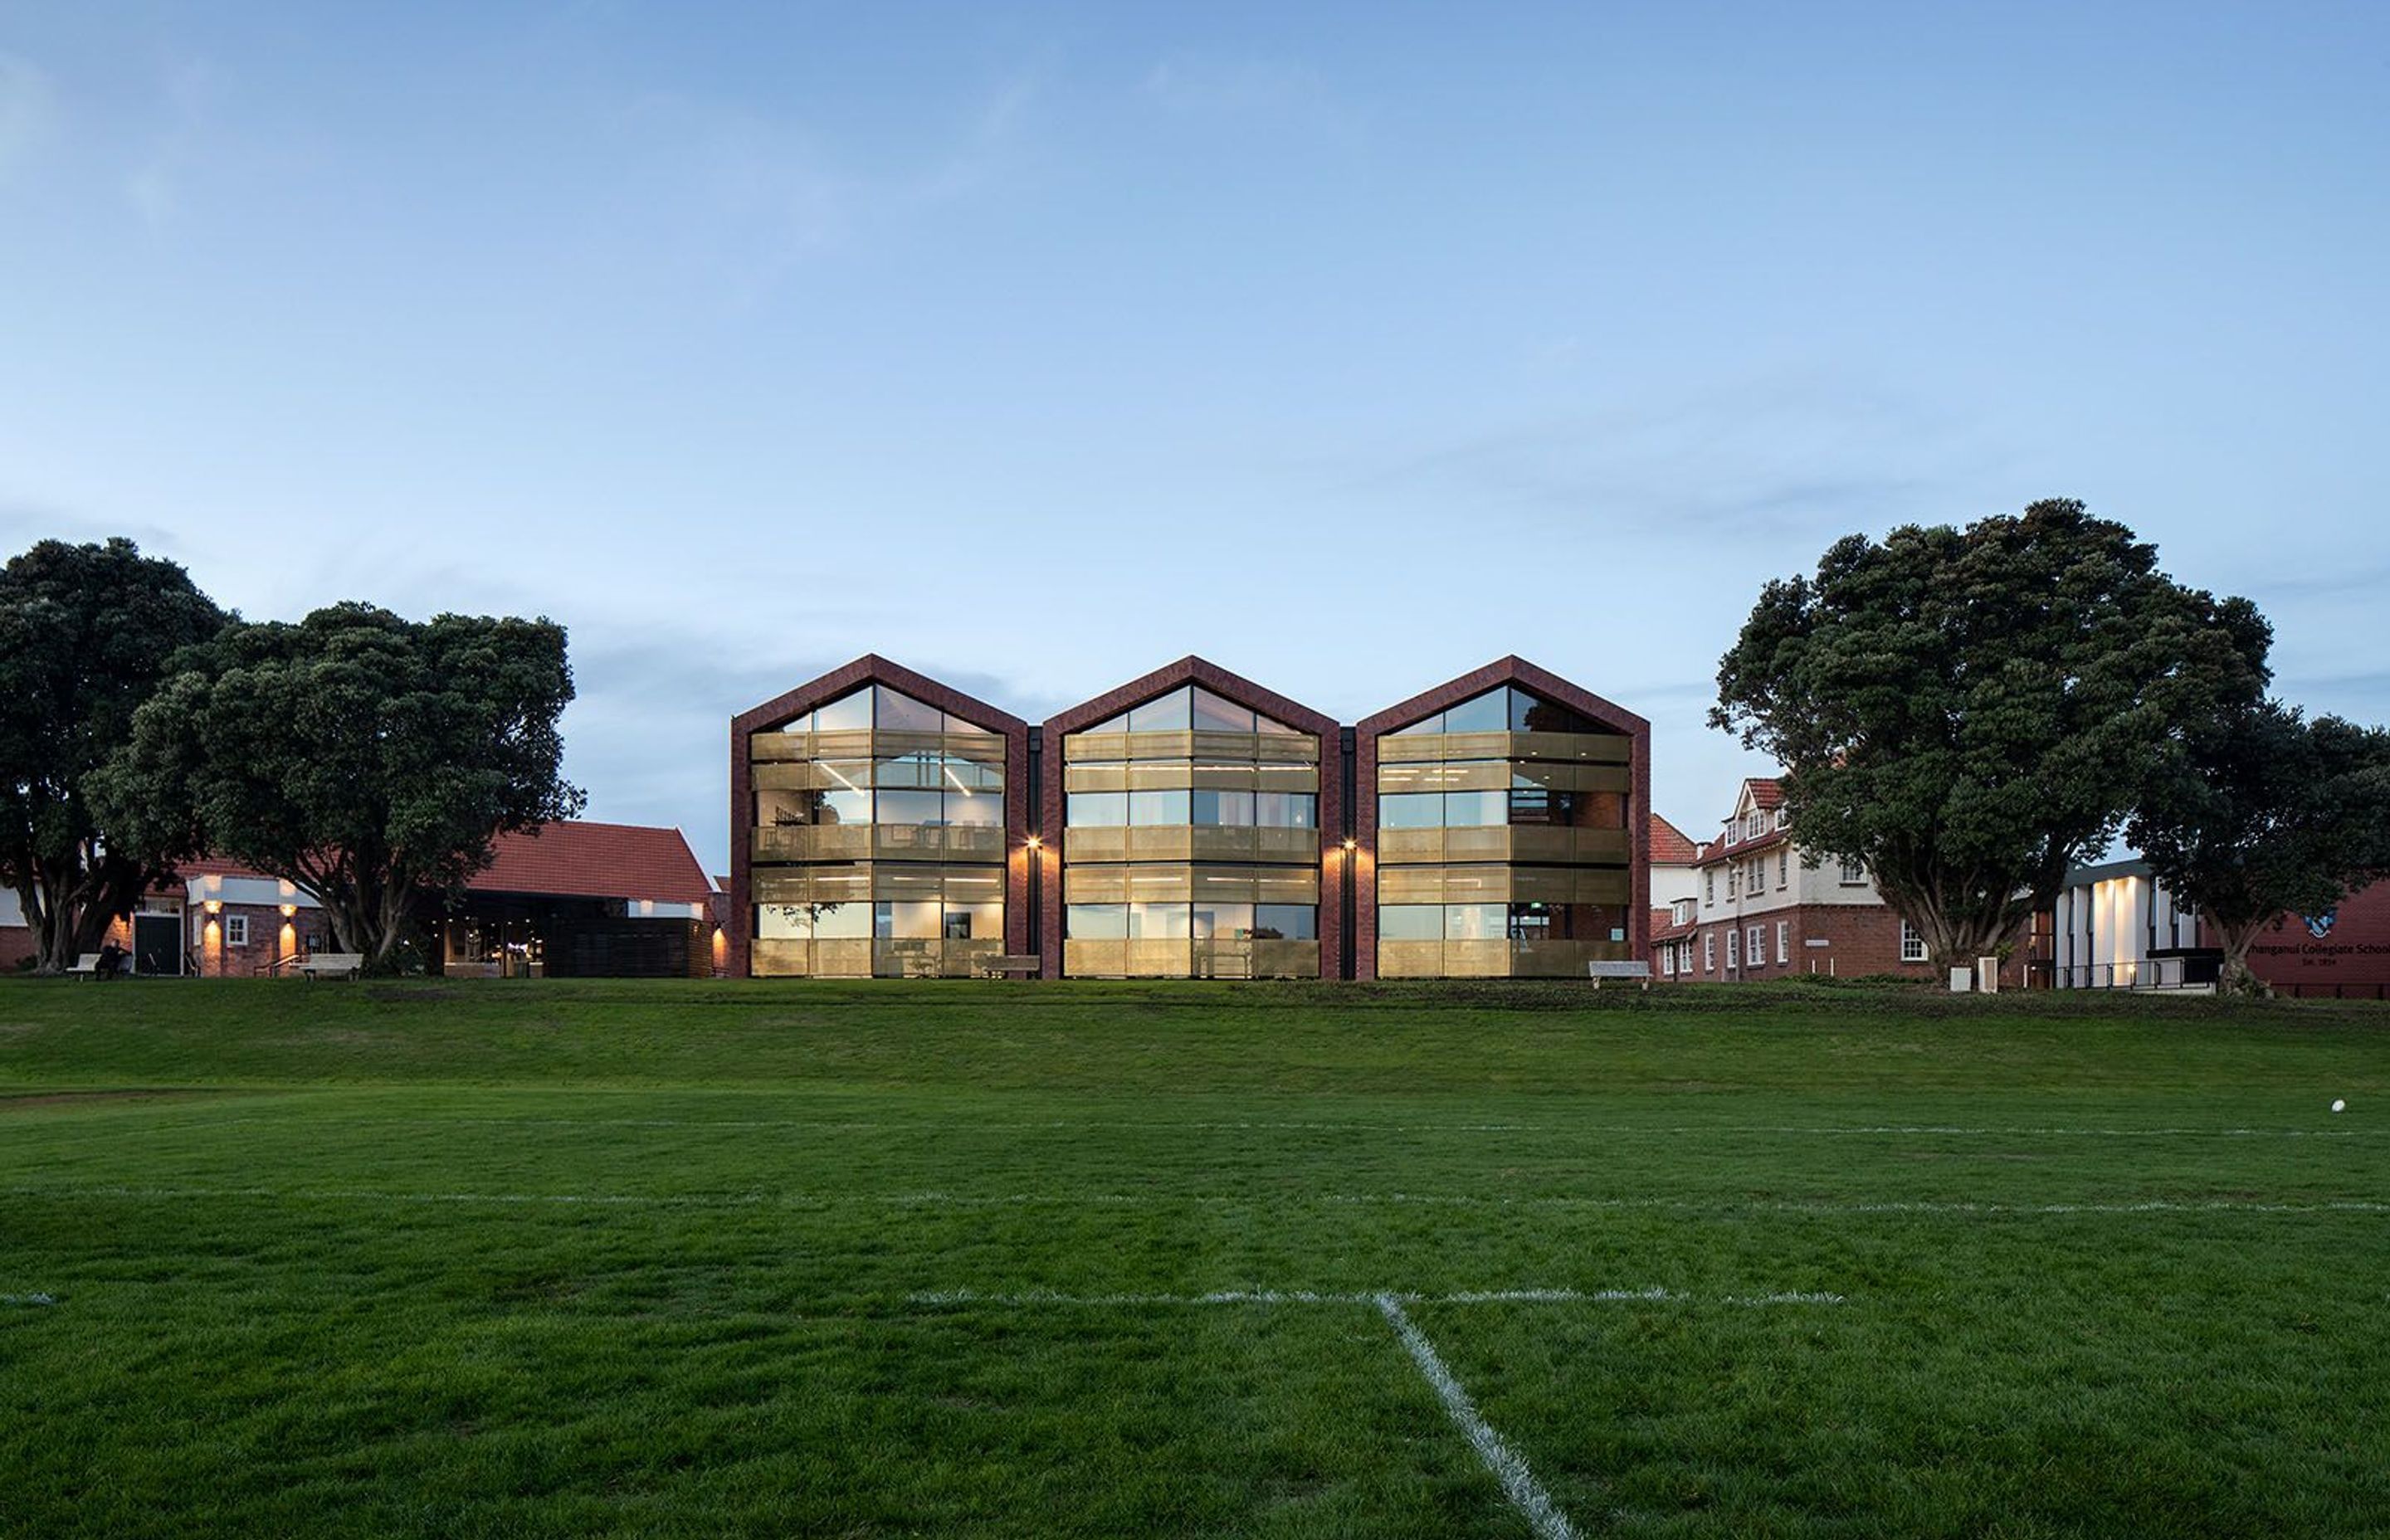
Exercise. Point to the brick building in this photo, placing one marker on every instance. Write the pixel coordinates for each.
(572, 899)
(1189, 823)
(1764, 912)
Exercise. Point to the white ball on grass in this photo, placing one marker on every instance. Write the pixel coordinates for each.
(2340, 1107)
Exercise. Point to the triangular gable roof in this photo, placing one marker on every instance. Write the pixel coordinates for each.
(1512, 670)
(872, 669)
(1195, 671)
(1670, 845)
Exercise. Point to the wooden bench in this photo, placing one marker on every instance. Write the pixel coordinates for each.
(331, 965)
(1003, 967)
(1639, 971)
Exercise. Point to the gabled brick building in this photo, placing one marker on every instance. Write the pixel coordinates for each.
(1189, 823)
(1764, 912)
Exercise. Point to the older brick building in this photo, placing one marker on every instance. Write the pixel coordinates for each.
(1762, 911)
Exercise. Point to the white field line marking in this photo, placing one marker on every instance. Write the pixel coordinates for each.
(946, 1125)
(1230, 1200)
(29, 1299)
(1304, 1296)
(1519, 1484)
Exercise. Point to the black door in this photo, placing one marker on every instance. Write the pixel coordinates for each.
(157, 944)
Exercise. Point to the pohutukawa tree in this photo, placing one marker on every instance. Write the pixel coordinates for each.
(1969, 712)
(367, 759)
(2261, 812)
(86, 633)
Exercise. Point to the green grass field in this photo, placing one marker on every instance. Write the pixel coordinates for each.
(550, 1259)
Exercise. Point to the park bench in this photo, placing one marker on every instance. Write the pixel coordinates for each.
(86, 966)
(1003, 967)
(1639, 971)
(331, 965)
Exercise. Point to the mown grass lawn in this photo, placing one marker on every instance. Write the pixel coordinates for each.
(932, 1259)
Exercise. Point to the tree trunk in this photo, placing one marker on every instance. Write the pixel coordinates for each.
(2234, 976)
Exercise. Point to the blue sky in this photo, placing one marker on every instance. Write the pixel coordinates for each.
(1034, 346)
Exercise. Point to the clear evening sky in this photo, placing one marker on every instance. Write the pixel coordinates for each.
(1034, 346)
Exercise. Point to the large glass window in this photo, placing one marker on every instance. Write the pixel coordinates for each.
(1286, 922)
(843, 806)
(1412, 809)
(977, 807)
(848, 713)
(910, 807)
(1231, 808)
(1160, 809)
(1223, 921)
(906, 919)
(1489, 713)
(1476, 809)
(842, 921)
(1410, 922)
(1475, 922)
(1095, 809)
(1096, 922)
(902, 713)
(1160, 921)
(1216, 715)
(1170, 713)
(1286, 810)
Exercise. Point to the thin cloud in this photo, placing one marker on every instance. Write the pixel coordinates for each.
(28, 111)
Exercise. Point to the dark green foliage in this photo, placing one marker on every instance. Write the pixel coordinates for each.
(368, 759)
(86, 633)
(2261, 812)
(1971, 712)
(629, 1259)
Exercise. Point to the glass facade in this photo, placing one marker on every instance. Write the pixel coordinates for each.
(1190, 843)
(876, 839)
(1504, 847)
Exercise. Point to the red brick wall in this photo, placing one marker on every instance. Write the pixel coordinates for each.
(16, 947)
(1861, 940)
(2355, 951)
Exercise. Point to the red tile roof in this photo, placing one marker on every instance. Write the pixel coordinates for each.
(580, 860)
(597, 860)
(1766, 792)
(1669, 845)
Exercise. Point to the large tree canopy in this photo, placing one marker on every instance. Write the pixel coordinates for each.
(85, 632)
(368, 760)
(1971, 712)
(2261, 812)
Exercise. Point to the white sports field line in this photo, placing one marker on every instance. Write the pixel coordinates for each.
(946, 1126)
(822, 1202)
(1519, 1484)
(1031, 1297)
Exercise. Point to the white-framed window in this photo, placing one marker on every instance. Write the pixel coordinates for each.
(1733, 951)
(1854, 873)
(1755, 826)
(1734, 880)
(1709, 952)
(1912, 946)
(1783, 818)
(1756, 947)
(236, 930)
(1784, 941)
(1709, 886)
(1784, 866)
(1758, 873)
